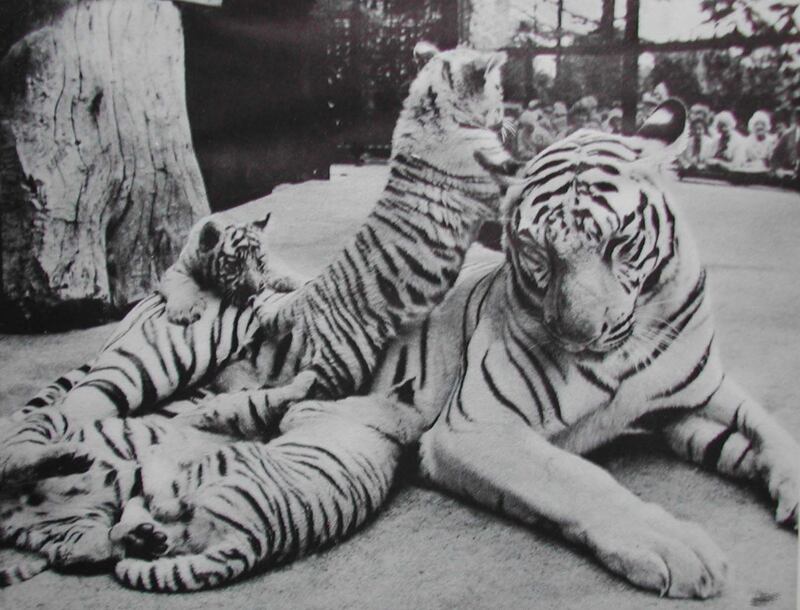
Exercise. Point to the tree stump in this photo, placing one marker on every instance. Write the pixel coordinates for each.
(99, 183)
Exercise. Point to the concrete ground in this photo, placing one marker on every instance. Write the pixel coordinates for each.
(427, 550)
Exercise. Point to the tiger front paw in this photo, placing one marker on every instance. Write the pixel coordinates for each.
(656, 551)
(185, 311)
(138, 534)
(212, 414)
(783, 482)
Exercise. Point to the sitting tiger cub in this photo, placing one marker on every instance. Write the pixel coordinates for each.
(226, 260)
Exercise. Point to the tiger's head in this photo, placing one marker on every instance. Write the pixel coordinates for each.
(228, 259)
(590, 234)
(454, 108)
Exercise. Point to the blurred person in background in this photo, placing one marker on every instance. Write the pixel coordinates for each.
(613, 123)
(728, 143)
(786, 155)
(759, 144)
(509, 129)
(535, 134)
(558, 121)
(528, 124)
(583, 114)
(702, 112)
(700, 147)
(661, 93)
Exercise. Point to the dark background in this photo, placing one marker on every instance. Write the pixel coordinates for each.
(277, 91)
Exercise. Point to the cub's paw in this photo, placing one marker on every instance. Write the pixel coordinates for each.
(656, 551)
(212, 414)
(138, 534)
(185, 311)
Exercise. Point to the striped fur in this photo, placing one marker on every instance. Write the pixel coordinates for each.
(400, 264)
(598, 322)
(143, 363)
(227, 260)
(201, 509)
(520, 379)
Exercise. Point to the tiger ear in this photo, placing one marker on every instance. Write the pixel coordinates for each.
(209, 236)
(423, 51)
(262, 224)
(663, 133)
(476, 71)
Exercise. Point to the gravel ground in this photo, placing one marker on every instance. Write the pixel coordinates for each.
(427, 550)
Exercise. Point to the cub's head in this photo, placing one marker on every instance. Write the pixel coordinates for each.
(454, 89)
(590, 233)
(229, 259)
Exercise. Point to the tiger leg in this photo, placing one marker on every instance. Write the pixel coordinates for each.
(20, 572)
(712, 445)
(185, 299)
(34, 446)
(217, 566)
(329, 471)
(249, 414)
(187, 535)
(748, 442)
(517, 472)
(145, 362)
(67, 519)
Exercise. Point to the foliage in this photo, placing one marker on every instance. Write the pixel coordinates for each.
(764, 79)
(749, 17)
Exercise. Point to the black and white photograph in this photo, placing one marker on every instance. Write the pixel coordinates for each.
(389, 304)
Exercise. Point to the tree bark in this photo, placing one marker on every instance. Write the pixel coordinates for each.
(99, 183)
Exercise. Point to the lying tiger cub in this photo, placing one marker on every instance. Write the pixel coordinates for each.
(226, 260)
(199, 509)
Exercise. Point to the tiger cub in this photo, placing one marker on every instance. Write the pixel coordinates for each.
(198, 509)
(448, 172)
(227, 260)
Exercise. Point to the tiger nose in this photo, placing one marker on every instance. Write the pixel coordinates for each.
(578, 331)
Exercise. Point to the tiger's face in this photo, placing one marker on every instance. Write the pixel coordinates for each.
(465, 83)
(228, 259)
(590, 233)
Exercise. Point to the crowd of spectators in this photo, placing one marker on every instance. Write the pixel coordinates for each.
(717, 143)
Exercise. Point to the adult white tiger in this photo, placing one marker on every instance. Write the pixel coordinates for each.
(597, 321)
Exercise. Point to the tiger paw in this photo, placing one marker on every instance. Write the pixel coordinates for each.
(656, 551)
(185, 311)
(213, 414)
(137, 534)
(783, 481)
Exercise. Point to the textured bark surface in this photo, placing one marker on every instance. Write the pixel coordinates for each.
(98, 179)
